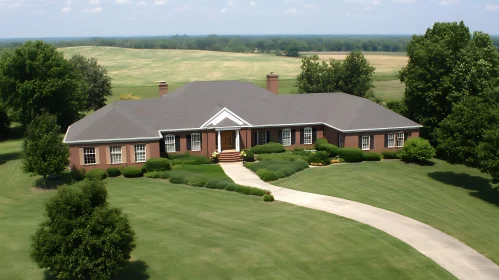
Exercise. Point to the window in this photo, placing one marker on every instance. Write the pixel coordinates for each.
(400, 139)
(196, 142)
(307, 135)
(286, 137)
(140, 153)
(341, 140)
(261, 137)
(89, 156)
(170, 143)
(366, 139)
(391, 140)
(115, 154)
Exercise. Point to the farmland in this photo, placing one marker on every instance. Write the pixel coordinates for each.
(138, 71)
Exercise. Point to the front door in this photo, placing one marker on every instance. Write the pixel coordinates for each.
(227, 140)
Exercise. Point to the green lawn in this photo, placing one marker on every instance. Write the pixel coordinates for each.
(455, 199)
(194, 233)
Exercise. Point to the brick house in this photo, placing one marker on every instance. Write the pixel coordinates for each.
(228, 116)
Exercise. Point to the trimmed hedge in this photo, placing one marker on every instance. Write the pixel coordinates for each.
(113, 172)
(390, 155)
(299, 149)
(158, 175)
(351, 154)
(268, 175)
(178, 155)
(281, 156)
(319, 157)
(191, 160)
(371, 156)
(78, 174)
(275, 169)
(320, 141)
(268, 197)
(96, 173)
(131, 172)
(268, 148)
(323, 145)
(417, 150)
(250, 156)
(157, 164)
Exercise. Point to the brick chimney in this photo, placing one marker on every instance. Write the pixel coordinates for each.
(273, 82)
(163, 88)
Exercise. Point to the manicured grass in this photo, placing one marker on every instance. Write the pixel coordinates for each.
(192, 233)
(455, 199)
(139, 71)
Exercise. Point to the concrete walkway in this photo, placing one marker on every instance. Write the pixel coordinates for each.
(453, 255)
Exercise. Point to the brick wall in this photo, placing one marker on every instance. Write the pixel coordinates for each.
(274, 135)
(352, 139)
(208, 142)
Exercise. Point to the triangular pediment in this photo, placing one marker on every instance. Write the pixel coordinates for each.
(225, 118)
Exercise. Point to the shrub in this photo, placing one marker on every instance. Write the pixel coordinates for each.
(249, 155)
(417, 150)
(299, 149)
(157, 164)
(231, 187)
(371, 156)
(77, 174)
(342, 160)
(177, 179)
(178, 155)
(191, 160)
(389, 154)
(268, 197)
(268, 148)
(158, 174)
(268, 175)
(351, 154)
(319, 157)
(96, 173)
(196, 181)
(330, 148)
(281, 156)
(217, 184)
(131, 172)
(113, 172)
(320, 141)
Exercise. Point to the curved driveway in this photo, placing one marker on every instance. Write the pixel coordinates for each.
(453, 255)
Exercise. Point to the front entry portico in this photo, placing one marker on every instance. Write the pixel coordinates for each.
(228, 140)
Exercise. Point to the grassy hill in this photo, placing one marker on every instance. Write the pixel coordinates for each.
(139, 71)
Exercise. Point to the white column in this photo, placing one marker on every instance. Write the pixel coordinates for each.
(219, 142)
(237, 141)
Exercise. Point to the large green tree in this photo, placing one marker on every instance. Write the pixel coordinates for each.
(98, 83)
(36, 77)
(446, 64)
(352, 76)
(4, 121)
(43, 152)
(488, 153)
(82, 236)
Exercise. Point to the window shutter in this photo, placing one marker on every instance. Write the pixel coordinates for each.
(148, 152)
(386, 140)
(177, 143)
(255, 139)
(405, 136)
(97, 155)
(188, 140)
(372, 142)
(201, 140)
(302, 136)
(360, 141)
(132, 153)
(314, 135)
(108, 155)
(81, 155)
(293, 136)
(123, 154)
(279, 136)
(268, 137)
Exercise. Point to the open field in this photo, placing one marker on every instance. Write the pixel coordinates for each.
(193, 233)
(139, 71)
(455, 199)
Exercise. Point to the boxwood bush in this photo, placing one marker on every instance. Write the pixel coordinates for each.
(158, 174)
(323, 145)
(390, 155)
(191, 160)
(96, 173)
(320, 141)
(250, 156)
(417, 150)
(268, 197)
(268, 175)
(351, 154)
(275, 169)
(77, 174)
(371, 156)
(319, 157)
(131, 172)
(157, 164)
(268, 148)
(291, 156)
(113, 172)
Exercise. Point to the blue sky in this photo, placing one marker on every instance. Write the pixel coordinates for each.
(75, 18)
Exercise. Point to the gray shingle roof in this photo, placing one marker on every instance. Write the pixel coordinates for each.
(192, 105)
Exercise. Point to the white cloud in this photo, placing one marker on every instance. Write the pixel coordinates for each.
(66, 9)
(404, 1)
(224, 10)
(123, 2)
(183, 8)
(94, 2)
(448, 2)
(373, 5)
(160, 2)
(252, 3)
(290, 11)
(311, 6)
(141, 3)
(492, 7)
(230, 3)
(95, 10)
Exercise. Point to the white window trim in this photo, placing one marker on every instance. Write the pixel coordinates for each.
(111, 153)
(145, 153)
(393, 140)
(198, 142)
(258, 137)
(94, 153)
(400, 142)
(286, 130)
(368, 142)
(310, 131)
(171, 136)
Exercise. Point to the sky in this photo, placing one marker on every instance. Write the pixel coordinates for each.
(83, 18)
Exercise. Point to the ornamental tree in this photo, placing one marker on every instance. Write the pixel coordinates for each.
(417, 150)
(82, 236)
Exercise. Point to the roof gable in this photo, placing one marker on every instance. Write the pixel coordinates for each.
(225, 117)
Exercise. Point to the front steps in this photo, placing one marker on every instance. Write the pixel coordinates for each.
(229, 156)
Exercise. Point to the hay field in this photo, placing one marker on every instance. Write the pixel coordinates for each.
(139, 71)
